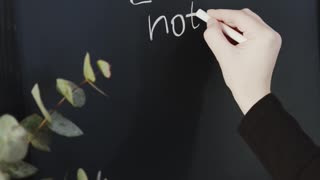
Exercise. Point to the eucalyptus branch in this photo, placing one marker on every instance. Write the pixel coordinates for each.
(56, 107)
(62, 100)
(35, 130)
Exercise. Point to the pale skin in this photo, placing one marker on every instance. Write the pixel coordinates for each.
(247, 67)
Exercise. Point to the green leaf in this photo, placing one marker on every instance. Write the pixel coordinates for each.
(37, 97)
(74, 95)
(105, 68)
(19, 169)
(81, 175)
(40, 138)
(88, 70)
(13, 140)
(64, 126)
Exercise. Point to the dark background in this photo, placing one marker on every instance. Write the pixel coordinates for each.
(10, 70)
(170, 115)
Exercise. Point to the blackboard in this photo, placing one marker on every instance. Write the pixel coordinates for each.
(10, 70)
(169, 115)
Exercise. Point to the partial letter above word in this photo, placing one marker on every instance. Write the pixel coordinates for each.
(141, 2)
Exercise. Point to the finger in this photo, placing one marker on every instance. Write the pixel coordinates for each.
(237, 18)
(254, 15)
(215, 38)
(210, 22)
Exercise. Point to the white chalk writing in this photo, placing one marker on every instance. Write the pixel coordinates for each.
(141, 2)
(164, 20)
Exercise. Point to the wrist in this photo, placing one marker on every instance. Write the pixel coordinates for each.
(247, 100)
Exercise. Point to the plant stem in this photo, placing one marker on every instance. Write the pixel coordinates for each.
(59, 104)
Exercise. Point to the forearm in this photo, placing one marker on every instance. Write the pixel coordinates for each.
(278, 140)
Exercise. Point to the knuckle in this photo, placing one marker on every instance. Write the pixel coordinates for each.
(278, 37)
(242, 13)
(246, 10)
(273, 36)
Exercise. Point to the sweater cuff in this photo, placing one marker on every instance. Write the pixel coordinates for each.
(267, 105)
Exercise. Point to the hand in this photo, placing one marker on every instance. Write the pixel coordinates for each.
(247, 67)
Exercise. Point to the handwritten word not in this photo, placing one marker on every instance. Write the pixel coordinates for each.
(175, 19)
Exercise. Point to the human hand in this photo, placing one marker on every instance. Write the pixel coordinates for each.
(247, 67)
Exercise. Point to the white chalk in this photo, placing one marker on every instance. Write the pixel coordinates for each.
(201, 14)
(235, 35)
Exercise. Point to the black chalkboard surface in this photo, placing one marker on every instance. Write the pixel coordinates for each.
(169, 115)
(10, 75)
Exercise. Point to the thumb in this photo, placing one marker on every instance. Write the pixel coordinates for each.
(215, 38)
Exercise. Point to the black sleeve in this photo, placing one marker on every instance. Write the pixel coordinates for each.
(279, 142)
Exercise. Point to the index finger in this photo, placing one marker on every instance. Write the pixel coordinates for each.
(237, 18)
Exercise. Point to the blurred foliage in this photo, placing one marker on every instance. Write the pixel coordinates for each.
(36, 130)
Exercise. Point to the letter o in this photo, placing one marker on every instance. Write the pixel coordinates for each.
(174, 27)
